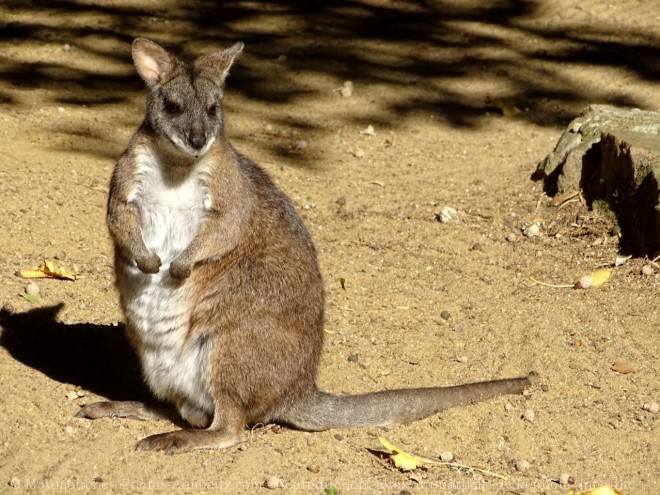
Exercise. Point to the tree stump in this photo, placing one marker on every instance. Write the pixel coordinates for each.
(612, 155)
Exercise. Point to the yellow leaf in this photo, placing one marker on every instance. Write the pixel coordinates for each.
(403, 460)
(508, 109)
(599, 278)
(51, 269)
(409, 462)
(32, 274)
(603, 490)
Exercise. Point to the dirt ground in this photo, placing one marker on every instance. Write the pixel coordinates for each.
(422, 303)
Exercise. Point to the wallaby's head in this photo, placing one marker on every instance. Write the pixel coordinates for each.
(185, 102)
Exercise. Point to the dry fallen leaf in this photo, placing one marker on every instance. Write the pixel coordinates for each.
(409, 462)
(403, 460)
(507, 109)
(599, 277)
(51, 269)
(602, 490)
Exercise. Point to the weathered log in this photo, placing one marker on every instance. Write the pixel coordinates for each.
(613, 156)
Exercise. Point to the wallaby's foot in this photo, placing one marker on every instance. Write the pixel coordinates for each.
(179, 442)
(126, 409)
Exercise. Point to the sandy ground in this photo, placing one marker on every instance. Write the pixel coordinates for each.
(423, 303)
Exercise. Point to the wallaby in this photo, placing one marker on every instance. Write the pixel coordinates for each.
(219, 282)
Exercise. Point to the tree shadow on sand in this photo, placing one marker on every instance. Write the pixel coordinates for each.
(431, 45)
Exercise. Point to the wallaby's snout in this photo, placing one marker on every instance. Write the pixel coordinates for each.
(196, 140)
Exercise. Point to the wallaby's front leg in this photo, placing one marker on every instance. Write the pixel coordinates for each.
(124, 226)
(218, 235)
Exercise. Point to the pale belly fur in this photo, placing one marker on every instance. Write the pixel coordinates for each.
(175, 364)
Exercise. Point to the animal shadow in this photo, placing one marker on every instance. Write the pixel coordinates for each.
(98, 358)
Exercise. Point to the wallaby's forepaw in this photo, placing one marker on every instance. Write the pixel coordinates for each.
(148, 264)
(180, 270)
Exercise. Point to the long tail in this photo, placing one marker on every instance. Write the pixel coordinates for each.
(322, 411)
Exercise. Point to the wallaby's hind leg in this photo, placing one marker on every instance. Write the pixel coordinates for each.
(127, 409)
(225, 430)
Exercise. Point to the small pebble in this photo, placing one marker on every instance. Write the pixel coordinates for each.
(511, 237)
(476, 247)
(281, 58)
(32, 289)
(301, 145)
(445, 315)
(314, 468)
(72, 395)
(8, 308)
(341, 201)
(647, 270)
(532, 230)
(347, 89)
(339, 437)
(462, 359)
(528, 415)
(66, 47)
(651, 407)
(446, 456)
(353, 358)
(566, 479)
(357, 152)
(273, 483)
(69, 430)
(15, 483)
(585, 282)
(447, 214)
(508, 407)
(522, 465)
(622, 366)
(369, 131)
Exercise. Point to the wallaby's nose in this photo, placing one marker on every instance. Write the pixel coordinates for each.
(196, 140)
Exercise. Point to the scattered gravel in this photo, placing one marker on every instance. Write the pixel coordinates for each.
(274, 483)
(528, 415)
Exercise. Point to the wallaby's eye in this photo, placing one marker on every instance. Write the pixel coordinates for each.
(212, 110)
(172, 107)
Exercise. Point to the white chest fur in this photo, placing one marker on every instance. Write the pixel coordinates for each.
(171, 205)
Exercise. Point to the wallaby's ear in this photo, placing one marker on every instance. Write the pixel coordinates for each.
(216, 65)
(152, 61)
